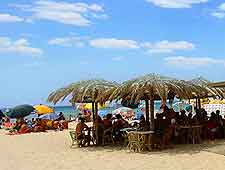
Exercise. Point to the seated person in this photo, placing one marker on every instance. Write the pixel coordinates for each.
(118, 124)
(80, 127)
(108, 121)
(18, 124)
(142, 123)
(6, 123)
(38, 126)
(24, 128)
(61, 116)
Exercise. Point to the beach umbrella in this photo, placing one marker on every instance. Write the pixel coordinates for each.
(86, 91)
(20, 111)
(1, 114)
(43, 109)
(50, 116)
(31, 116)
(206, 90)
(152, 87)
(122, 110)
(87, 106)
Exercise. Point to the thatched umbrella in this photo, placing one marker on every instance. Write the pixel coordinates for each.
(86, 91)
(207, 90)
(217, 84)
(152, 87)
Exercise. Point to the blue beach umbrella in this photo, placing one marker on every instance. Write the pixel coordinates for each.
(19, 111)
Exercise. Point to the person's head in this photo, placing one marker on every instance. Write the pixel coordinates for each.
(182, 112)
(190, 115)
(213, 116)
(109, 116)
(118, 116)
(142, 117)
(82, 119)
(218, 112)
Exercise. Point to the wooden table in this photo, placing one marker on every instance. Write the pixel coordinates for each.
(140, 140)
(193, 133)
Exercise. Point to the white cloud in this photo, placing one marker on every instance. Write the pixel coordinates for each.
(10, 18)
(67, 41)
(84, 62)
(113, 43)
(167, 47)
(176, 3)
(116, 43)
(78, 14)
(20, 46)
(33, 64)
(222, 7)
(219, 12)
(182, 61)
(117, 58)
(219, 15)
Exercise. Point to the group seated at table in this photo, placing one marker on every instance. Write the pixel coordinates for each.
(178, 128)
(170, 127)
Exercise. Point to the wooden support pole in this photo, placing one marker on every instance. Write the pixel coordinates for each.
(152, 119)
(147, 113)
(199, 103)
(196, 102)
(96, 122)
(93, 111)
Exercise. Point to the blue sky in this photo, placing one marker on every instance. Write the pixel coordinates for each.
(46, 44)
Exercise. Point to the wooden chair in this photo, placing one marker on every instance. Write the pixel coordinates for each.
(107, 136)
(74, 138)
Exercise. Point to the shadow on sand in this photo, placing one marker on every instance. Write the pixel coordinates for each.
(217, 147)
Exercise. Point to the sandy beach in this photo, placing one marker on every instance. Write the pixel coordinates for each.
(51, 151)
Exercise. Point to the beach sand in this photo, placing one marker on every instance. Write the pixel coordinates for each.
(51, 151)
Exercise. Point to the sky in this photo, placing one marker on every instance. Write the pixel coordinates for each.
(47, 44)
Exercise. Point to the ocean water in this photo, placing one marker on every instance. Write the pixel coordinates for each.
(71, 111)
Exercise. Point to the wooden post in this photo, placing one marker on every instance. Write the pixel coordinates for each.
(152, 120)
(93, 111)
(152, 126)
(196, 102)
(147, 113)
(96, 122)
(199, 103)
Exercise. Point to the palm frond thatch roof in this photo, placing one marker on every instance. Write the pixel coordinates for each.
(153, 85)
(217, 84)
(82, 91)
(207, 90)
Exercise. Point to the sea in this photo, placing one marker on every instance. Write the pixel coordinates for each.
(70, 111)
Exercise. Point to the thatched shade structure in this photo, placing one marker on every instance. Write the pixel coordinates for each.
(86, 91)
(217, 84)
(206, 90)
(152, 87)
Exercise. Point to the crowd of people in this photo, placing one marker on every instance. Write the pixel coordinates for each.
(186, 127)
(170, 127)
(22, 125)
